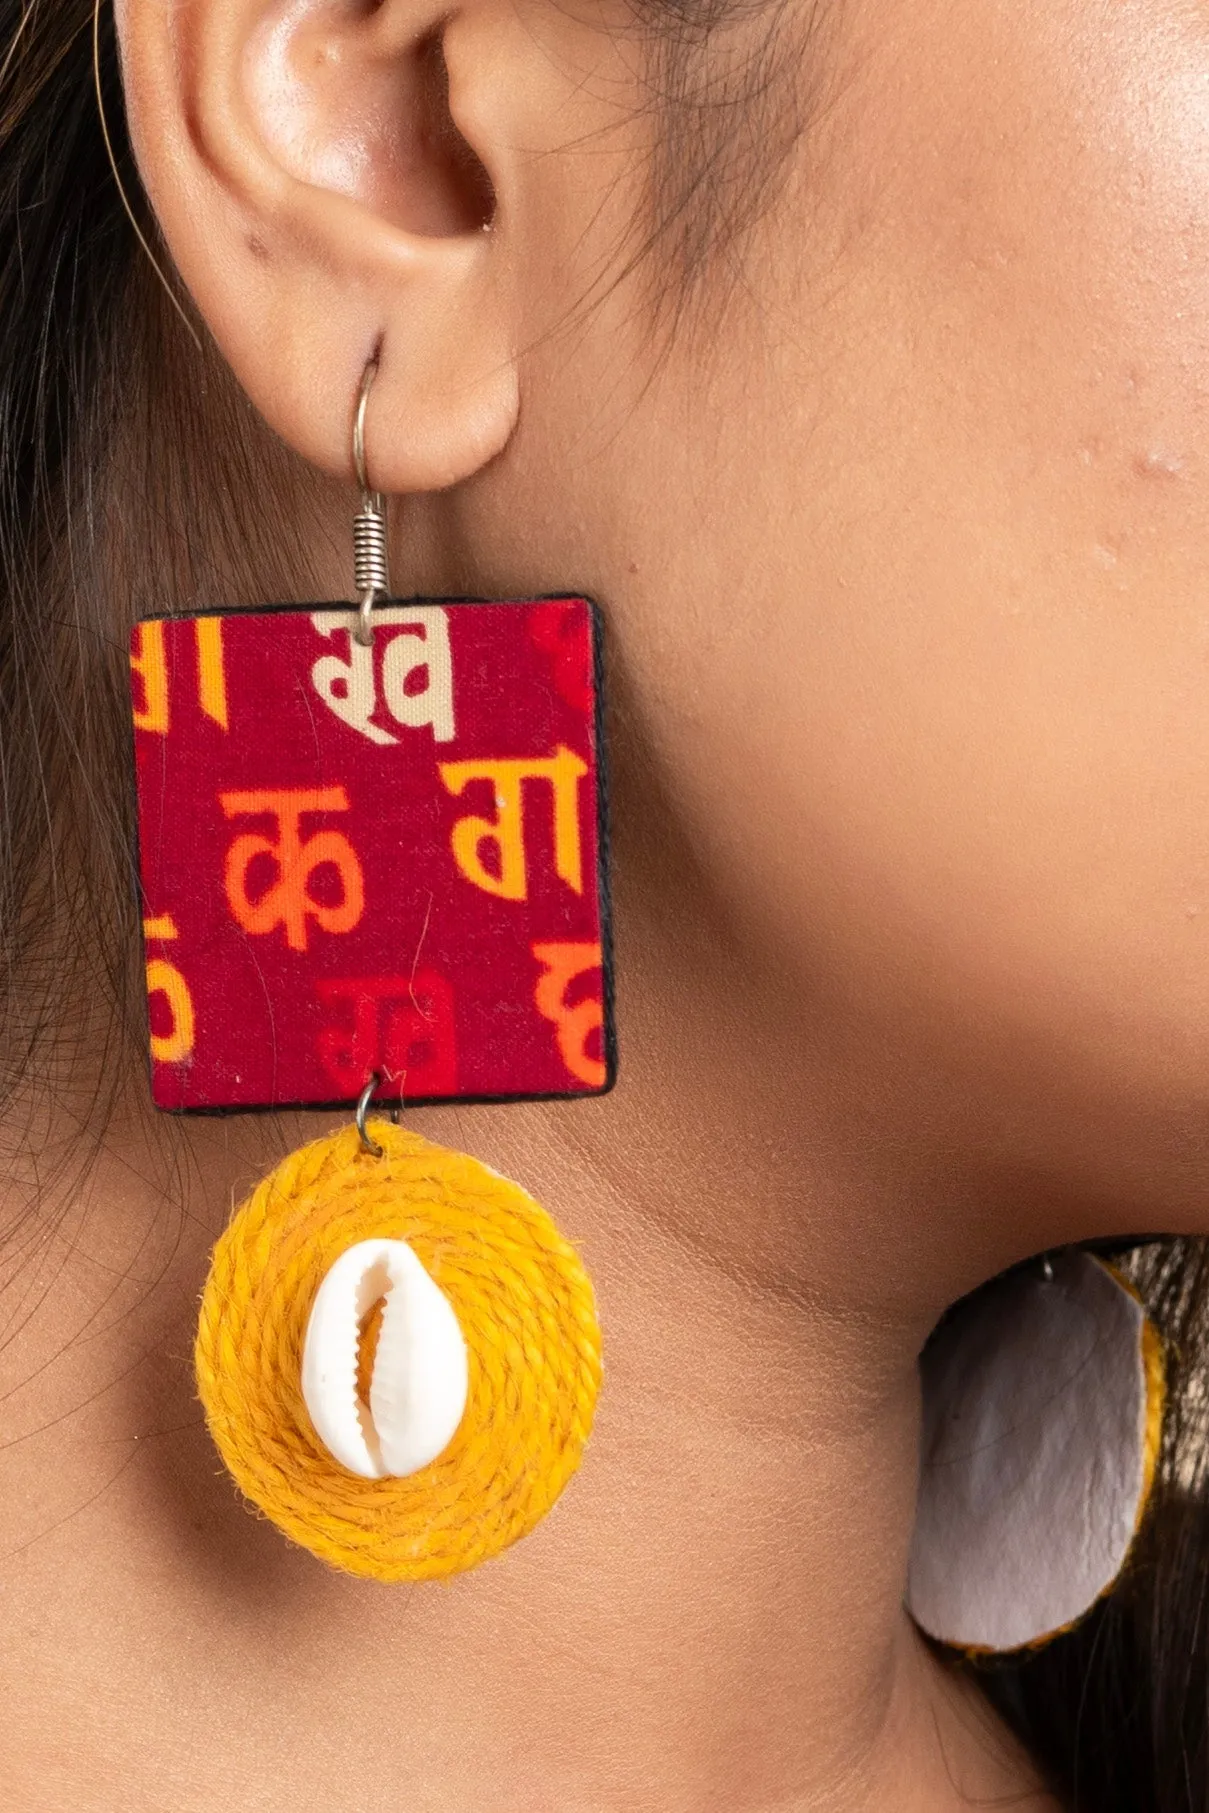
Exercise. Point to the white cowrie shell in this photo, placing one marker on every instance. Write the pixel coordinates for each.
(418, 1386)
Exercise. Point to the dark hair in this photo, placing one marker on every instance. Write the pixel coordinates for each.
(1116, 1712)
(64, 262)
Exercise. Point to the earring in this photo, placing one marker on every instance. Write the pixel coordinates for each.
(1042, 1424)
(372, 860)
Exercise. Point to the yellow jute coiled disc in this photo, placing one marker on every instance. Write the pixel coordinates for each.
(526, 1310)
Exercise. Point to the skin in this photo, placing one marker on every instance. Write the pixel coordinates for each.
(900, 524)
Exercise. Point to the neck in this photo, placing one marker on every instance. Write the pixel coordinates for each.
(711, 1616)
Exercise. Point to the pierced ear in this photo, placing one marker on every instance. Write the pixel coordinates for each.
(324, 203)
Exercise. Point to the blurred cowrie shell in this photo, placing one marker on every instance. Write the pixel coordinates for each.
(1042, 1423)
(418, 1385)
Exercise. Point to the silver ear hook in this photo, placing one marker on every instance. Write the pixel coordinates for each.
(371, 573)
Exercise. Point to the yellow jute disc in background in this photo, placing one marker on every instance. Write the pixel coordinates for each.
(527, 1312)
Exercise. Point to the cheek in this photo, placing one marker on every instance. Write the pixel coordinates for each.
(904, 561)
(929, 659)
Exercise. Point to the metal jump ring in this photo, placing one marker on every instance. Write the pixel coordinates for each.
(366, 1097)
(369, 1145)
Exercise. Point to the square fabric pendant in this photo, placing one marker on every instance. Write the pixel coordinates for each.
(373, 861)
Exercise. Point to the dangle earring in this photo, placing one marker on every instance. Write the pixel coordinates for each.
(1043, 1403)
(372, 863)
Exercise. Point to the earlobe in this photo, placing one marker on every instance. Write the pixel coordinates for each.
(323, 207)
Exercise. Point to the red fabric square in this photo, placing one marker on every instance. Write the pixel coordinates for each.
(372, 860)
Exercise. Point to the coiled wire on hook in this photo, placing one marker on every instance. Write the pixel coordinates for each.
(371, 573)
(369, 549)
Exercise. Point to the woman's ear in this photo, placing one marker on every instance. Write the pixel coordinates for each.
(322, 172)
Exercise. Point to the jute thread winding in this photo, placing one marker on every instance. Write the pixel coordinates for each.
(526, 1309)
